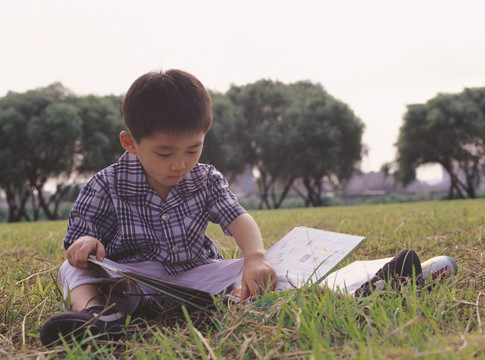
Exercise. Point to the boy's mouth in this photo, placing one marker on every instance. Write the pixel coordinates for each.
(179, 176)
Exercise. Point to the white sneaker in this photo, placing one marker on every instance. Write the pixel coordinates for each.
(441, 267)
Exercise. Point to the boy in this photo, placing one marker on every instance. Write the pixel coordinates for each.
(150, 210)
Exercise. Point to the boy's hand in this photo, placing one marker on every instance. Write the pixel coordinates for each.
(258, 276)
(79, 251)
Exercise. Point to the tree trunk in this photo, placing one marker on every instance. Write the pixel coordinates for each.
(305, 199)
(314, 189)
(278, 201)
(55, 200)
(16, 210)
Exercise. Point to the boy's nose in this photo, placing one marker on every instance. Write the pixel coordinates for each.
(178, 165)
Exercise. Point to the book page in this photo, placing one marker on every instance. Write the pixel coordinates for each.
(309, 255)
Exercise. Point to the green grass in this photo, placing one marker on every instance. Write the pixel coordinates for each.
(445, 322)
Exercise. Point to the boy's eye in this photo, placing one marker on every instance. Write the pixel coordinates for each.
(163, 155)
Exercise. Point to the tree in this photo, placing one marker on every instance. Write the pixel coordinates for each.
(325, 138)
(262, 105)
(46, 136)
(13, 177)
(449, 129)
(222, 145)
(296, 131)
(51, 140)
(98, 145)
(39, 130)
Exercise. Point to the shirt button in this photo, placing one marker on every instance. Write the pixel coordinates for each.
(165, 217)
(175, 249)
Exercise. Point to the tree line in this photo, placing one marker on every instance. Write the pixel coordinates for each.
(286, 134)
(283, 132)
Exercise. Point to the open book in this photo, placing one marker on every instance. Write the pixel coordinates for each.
(303, 256)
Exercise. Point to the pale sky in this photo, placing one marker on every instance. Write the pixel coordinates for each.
(375, 56)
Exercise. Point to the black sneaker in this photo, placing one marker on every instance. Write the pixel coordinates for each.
(97, 319)
(399, 270)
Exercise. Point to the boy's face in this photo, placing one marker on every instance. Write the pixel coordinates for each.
(165, 157)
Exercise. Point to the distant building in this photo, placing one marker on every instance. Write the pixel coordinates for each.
(243, 184)
(369, 184)
(377, 184)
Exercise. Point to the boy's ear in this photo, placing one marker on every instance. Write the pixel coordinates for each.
(128, 142)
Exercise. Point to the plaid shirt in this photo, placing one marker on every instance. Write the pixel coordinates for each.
(119, 208)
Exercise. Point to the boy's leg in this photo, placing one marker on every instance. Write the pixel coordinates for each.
(101, 300)
(98, 301)
(87, 295)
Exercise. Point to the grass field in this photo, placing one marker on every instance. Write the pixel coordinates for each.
(443, 322)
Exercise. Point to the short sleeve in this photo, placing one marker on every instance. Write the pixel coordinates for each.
(92, 215)
(224, 206)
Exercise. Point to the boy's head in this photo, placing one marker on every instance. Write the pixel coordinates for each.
(173, 101)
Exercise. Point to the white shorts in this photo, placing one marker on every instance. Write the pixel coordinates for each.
(127, 295)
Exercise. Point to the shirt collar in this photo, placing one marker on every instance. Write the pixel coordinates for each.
(131, 179)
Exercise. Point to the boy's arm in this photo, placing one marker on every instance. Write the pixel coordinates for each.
(257, 273)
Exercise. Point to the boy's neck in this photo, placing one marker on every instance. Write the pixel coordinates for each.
(162, 191)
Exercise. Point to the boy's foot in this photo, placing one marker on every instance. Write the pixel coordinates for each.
(401, 268)
(97, 319)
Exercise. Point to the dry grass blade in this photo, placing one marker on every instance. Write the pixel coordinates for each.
(401, 328)
(255, 351)
(479, 321)
(38, 273)
(244, 347)
(206, 344)
(298, 319)
(25, 317)
(272, 353)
